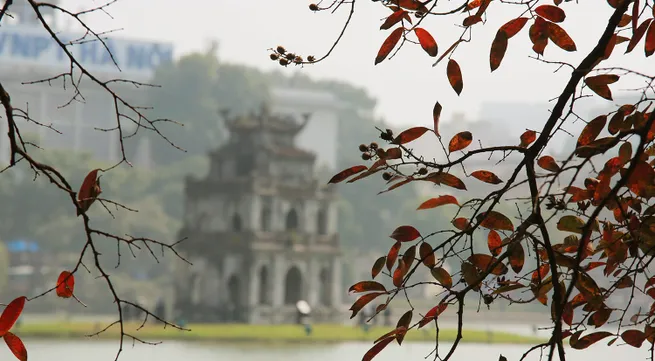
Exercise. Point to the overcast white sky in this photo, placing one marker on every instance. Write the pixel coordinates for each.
(406, 86)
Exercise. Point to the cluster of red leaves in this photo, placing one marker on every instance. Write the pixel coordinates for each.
(7, 320)
(623, 186)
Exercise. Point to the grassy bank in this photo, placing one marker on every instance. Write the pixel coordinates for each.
(258, 333)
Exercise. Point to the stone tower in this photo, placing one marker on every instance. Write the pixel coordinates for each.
(262, 230)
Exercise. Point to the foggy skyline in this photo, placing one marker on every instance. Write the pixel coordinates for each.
(245, 30)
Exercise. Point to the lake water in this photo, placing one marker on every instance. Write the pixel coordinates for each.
(92, 350)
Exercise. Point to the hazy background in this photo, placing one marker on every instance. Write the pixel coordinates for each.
(407, 86)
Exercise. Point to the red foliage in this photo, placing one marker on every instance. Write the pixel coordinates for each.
(65, 284)
(575, 229)
(89, 191)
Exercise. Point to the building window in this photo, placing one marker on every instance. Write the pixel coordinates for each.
(325, 284)
(266, 219)
(245, 164)
(321, 221)
(292, 220)
(237, 224)
(264, 298)
(293, 286)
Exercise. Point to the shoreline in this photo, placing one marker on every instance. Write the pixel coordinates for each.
(322, 334)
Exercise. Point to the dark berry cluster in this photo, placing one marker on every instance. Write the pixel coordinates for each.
(282, 56)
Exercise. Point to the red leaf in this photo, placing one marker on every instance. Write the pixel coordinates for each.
(393, 255)
(472, 20)
(388, 44)
(432, 314)
(367, 286)
(442, 276)
(611, 44)
(363, 301)
(405, 234)
(393, 19)
(412, 5)
(11, 314)
(438, 201)
(633, 338)
(494, 242)
(484, 261)
(591, 130)
(539, 274)
(447, 179)
(590, 339)
(495, 220)
(473, 4)
(455, 76)
(570, 223)
(641, 179)
(403, 325)
(89, 191)
(625, 20)
(599, 84)
(548, 163)
(393, 333)
(649, 46)
(409, 135)
(436, 115)
(427, 255)
(16, 346)
(638, 34)
(427, 41)
(614, 3)
(550, 12)
(399, 273)
(560, 37)
(635, 14)
(650, 282)
(600, 317)
(370, 354)
(567, 314)
(409, 257)
(65, 284)
(486, 176)
(513, 26)
(347, 173)
(461, 223)
(392, 153)
(516, 257)
(527, 138)
(470, 275)
(460, 141)
(377, 266)
(498, 49)
(539, 35)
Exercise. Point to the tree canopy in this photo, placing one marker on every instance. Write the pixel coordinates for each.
(580, 239)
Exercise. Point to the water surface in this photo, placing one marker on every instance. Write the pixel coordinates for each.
(93, 350)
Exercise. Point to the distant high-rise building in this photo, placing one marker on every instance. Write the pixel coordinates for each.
(59, 118)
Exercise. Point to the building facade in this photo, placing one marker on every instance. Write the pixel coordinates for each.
(262, 229)
(50, 113)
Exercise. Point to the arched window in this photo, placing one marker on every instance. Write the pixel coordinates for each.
(264, 298)
(266, 219)
(234, 290)
(325, 287)
(292, 220)
(245, 164)
(292, 286)
(321, 222)
(237, 224)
